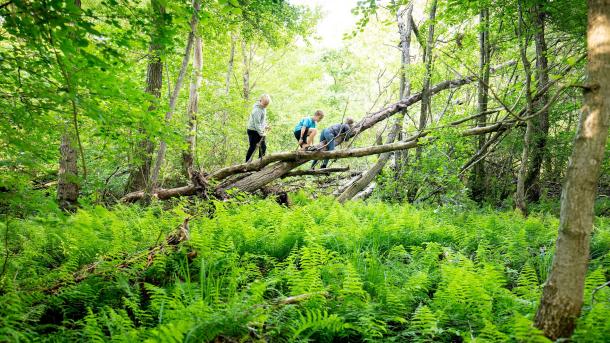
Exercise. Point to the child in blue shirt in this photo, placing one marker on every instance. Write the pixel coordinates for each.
(306, 131)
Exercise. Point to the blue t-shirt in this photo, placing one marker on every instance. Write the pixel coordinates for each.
(307, 122)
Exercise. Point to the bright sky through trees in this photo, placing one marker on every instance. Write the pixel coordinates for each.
(337, 19)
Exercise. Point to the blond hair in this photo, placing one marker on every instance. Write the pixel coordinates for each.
(265, 99)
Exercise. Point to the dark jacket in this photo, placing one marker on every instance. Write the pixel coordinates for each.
(339, 129)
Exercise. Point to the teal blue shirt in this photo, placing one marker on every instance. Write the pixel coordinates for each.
(307, 122)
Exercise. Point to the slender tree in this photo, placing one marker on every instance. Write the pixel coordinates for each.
(562, 296)
(154, 177)
(426, 101)
(140, 172)
(68, 183)
(403, 16)
(188, 156)
(478, 177)
(541, 122)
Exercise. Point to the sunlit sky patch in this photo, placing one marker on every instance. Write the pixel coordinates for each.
(338, 19)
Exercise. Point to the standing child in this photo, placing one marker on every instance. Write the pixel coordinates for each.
(306, 131)
(257, 127)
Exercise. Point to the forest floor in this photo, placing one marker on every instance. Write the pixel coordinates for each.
(260, 272)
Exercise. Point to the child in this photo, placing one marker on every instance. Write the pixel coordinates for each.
(329, 137)
(257, 127)
(305, 131)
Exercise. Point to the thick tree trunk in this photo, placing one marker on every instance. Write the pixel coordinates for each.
(139, 175)
(67, 184)
(541, 122)
(562, 296)
(188, 156)
(174, 98)
(478, 177)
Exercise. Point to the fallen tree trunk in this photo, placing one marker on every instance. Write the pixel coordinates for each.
(317, 172)
(292, 160)
(272, 172)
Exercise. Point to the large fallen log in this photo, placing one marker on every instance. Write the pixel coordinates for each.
(272, 172)
(292, 159)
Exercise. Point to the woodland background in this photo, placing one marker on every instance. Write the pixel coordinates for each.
(113, 102)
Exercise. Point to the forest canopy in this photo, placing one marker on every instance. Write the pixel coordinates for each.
(291, 170)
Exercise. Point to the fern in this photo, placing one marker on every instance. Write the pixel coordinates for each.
(525, 332)
(528, 285)
(317, 321)
(425, 325)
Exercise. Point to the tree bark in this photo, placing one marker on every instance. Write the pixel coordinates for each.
(188, 156)
(172, 101)
(478, 177)
(67, 184)
(225, 112)
(426, 100)
(541, 122)
(428, 58)
(405, 29)
(520, 200)
(562, 296)
(247, 62)
(139, 175)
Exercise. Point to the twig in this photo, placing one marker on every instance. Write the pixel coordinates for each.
(596, 290)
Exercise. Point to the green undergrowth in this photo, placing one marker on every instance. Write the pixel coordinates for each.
(358, 272)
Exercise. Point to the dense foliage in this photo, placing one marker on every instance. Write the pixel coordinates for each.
(359, 272)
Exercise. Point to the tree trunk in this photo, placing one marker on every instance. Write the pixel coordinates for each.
(188, 156)
(67, 184)
(520, 200)
(428, 58)
(405, 29)
(478, 177)
(562, 296)
(172, 101)
(138, 176)
(225, 112)
(541, 122)
(247, 61)
(426, 100)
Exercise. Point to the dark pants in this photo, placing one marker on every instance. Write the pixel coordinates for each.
(329, 140)
(297, 135)
(254, 138)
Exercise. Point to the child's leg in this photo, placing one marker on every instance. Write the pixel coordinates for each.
(311, 136)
